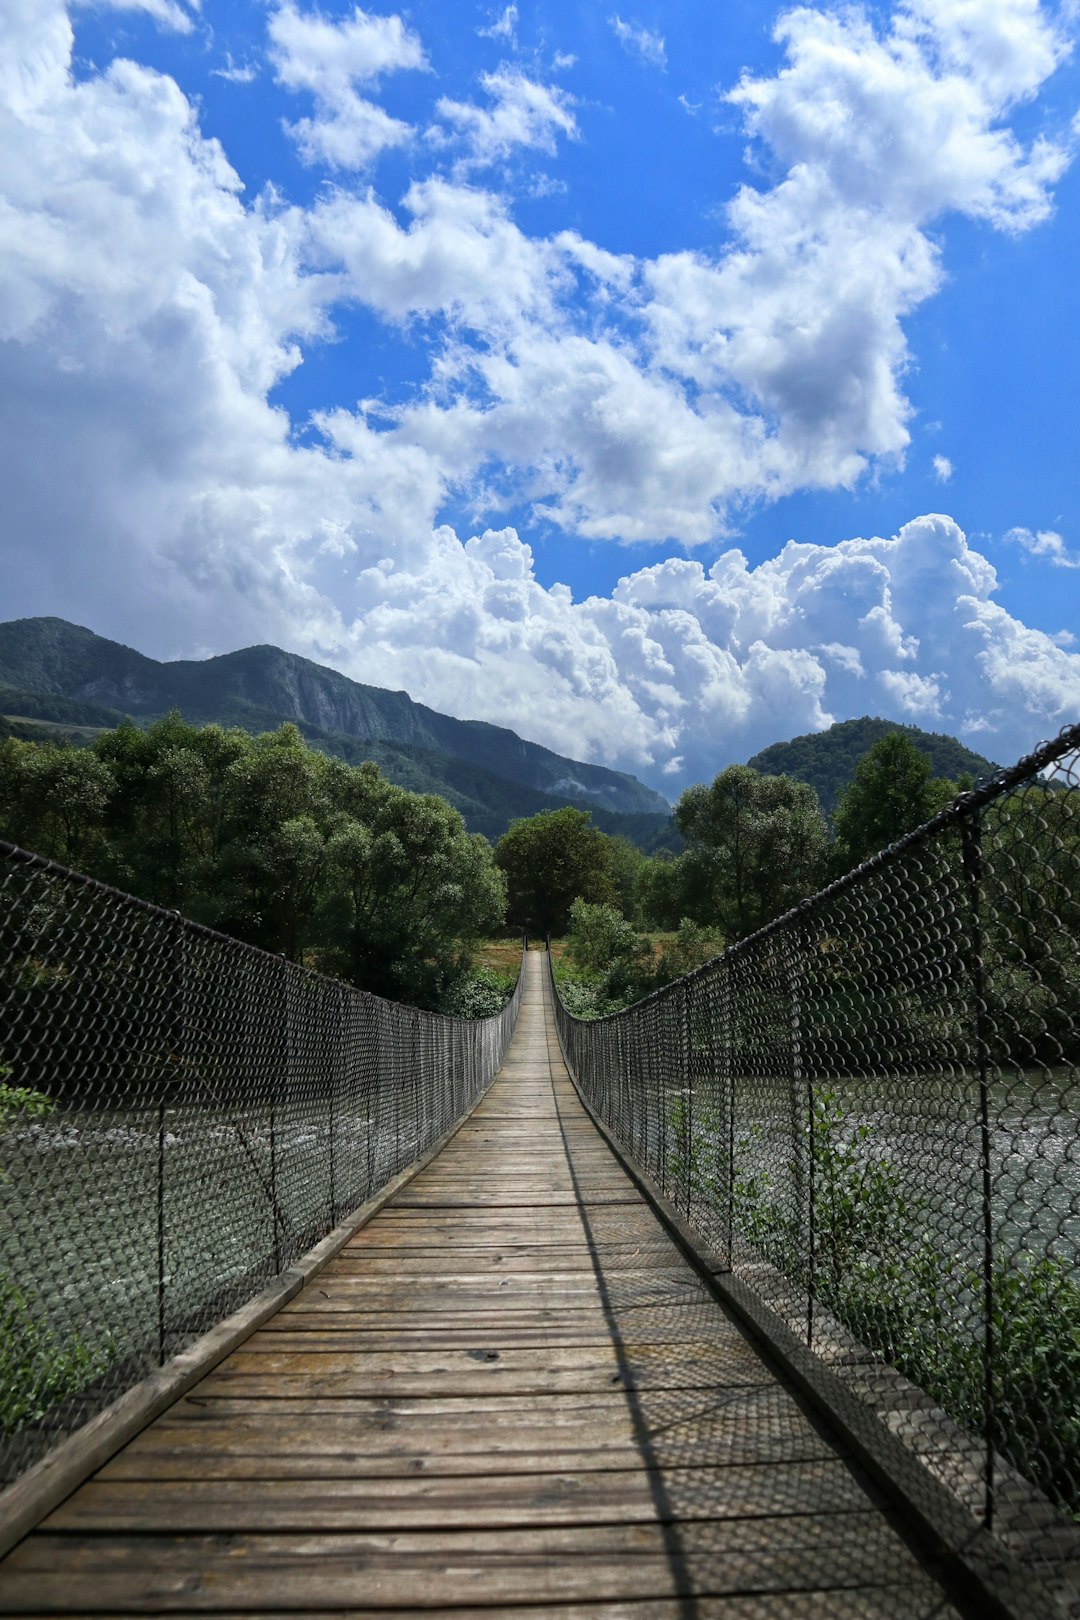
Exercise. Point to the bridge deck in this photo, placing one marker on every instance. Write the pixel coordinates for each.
(509, 1392)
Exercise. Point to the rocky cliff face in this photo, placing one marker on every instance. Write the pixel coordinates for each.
(259, 687)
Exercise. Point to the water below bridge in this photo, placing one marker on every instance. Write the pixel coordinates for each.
(509, 1394)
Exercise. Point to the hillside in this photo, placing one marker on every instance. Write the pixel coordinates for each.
(827, 759)
(61, 675)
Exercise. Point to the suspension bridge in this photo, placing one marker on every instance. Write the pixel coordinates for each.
(359, 1310)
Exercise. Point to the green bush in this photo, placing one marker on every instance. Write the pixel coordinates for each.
(479, 994)
(881, 1269)
(38, 1370)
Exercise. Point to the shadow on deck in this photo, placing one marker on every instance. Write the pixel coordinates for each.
(508, 1392)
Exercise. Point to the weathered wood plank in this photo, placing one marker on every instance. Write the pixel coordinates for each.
(434, 1502)
(508, 1395)
(607, 1563)
(578, 1368)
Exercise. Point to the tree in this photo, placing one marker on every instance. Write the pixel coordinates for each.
(626, 868)
(600, 937)
(53, 800)
(267, 878)
(892, 793)
(270, 841)
(409, 890)
(756, 845)
(550, 860)
(167, 814)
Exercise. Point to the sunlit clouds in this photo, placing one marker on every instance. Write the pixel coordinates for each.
(151, 308)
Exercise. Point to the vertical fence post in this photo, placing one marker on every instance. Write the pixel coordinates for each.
(372, 1081)
(688, 1080)
(803, 1086)
(727, 1070)
(279, 1073)
(971, 834)
(334, 1068)
(177, 1044)
(161, 1232)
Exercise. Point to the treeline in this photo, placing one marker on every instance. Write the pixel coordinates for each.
(328, 863)
(827, 760)
(293, 850)
(270, 841)
(755, 845)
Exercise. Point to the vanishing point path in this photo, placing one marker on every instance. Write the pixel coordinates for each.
(508, 1394)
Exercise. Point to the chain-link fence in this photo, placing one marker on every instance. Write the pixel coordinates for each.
(869, 1111)
(181, 1116)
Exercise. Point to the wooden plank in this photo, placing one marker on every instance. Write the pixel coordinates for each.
(446, 1260)
(492, 1500)
(508, 1394)
(578, 1368)
(607, 1563)
(318, 1331)
(878, 1603)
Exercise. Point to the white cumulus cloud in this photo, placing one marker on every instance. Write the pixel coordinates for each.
(503, 26)
(522, 113)
(328, 60)
(178, 16)
(148, 309)
(1046, 544)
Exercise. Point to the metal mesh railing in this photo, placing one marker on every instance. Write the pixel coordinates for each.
(181, 1116)
(869, 1111)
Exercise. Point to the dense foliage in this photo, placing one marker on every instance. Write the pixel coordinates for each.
(756, 845)
(268, 840)
(827, 759)
(549, 861)
(892, 793)
(879, 1263)
(607, 964)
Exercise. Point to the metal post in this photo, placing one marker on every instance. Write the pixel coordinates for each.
(335, 1044)
(277, 1082)
(971, 831)
(804, 1091)
(161, 1233)
(688, 1076)
(178, 1049)
(727, 1048)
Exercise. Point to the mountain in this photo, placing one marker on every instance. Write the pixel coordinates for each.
(827, 759)
(60, 675)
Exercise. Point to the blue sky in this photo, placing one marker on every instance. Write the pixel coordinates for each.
(659, 380)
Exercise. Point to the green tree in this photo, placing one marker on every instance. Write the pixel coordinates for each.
(409, 890)
(667, 891)
(626, 867)
(601, 938)
(756, 845)
(270, 841)
(54, 800)
(168, 811)
(550, 860)
(892, 793)
(692, 947)
(280, 795)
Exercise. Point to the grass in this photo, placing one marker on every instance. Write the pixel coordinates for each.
(500, 955)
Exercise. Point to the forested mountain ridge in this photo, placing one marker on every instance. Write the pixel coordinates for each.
(53, 671)
(827, 759)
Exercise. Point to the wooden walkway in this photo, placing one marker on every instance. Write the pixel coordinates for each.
(508, 1393)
